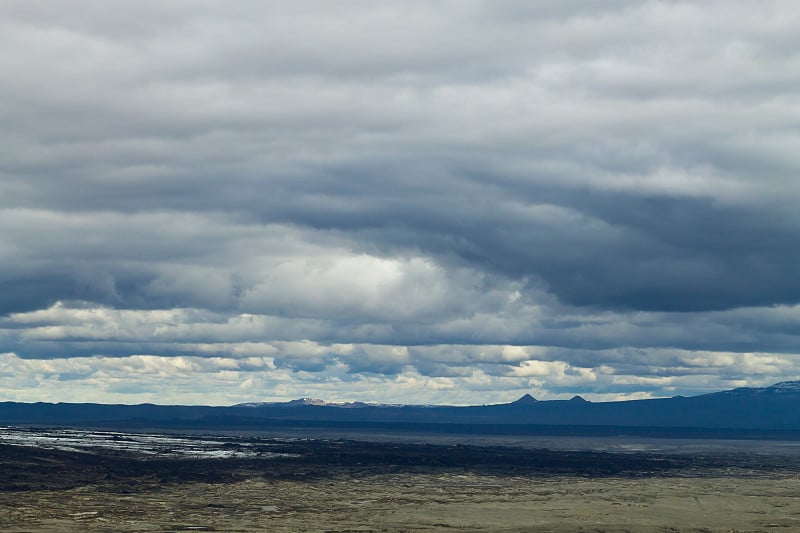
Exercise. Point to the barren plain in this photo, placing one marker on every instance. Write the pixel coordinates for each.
(261, 484)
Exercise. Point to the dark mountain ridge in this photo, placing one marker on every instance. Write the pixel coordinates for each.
(774, 408)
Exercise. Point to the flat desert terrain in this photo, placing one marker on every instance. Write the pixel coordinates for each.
(418, 502)
(308, 485)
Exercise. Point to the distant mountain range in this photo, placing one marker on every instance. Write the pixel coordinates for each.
(745, 412)
(308, 401)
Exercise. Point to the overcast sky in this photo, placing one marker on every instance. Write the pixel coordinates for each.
(419, 201)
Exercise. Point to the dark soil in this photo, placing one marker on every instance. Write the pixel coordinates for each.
(31, 468)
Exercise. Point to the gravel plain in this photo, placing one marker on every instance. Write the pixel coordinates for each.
(320, 485)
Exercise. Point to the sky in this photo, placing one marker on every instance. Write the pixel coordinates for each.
(452, 202)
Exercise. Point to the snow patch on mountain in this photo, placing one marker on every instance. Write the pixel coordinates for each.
(786, 386)
(308, 401)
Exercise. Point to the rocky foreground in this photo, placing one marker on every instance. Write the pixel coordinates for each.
(332, 485)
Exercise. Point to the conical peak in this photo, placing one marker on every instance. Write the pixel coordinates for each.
(526, 399)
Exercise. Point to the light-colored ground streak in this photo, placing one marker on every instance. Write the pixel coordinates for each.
(420, 502)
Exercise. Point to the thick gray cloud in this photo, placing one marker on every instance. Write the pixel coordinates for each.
(369, 195)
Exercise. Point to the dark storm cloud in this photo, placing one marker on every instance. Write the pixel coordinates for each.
(620, 174)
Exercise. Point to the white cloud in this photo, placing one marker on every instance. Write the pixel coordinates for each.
(473, 195)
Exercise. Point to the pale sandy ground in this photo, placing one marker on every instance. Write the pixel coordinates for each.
(420, 502)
